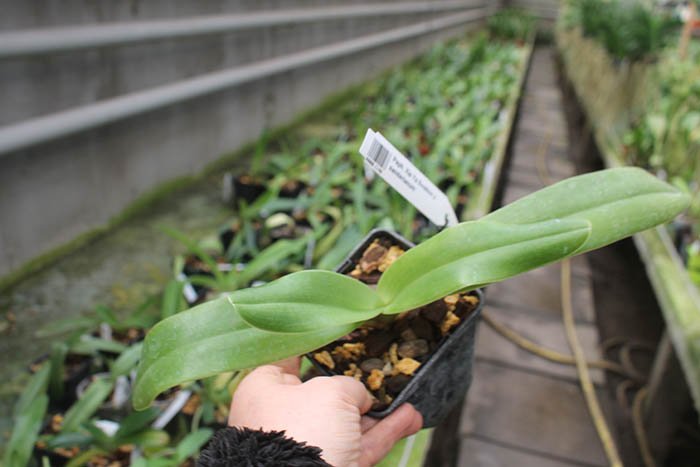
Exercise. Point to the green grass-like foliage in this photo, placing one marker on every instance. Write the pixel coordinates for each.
(511, 23)
(27, 419)
(305, 310)
(627, 30)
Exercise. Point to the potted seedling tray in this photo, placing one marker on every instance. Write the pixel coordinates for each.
(423, 357)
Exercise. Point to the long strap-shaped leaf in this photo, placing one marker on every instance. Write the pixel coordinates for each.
(474, 254)
(466, 256)
(616, 202)
(308, 309)
(306, 301)
(210, 339)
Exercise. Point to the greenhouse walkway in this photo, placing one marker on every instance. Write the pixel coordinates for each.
(523, 410)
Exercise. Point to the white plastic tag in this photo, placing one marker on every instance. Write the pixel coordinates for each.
(369, 171)
(405, 178)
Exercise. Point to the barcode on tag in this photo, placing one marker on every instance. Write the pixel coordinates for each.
(378, 155)
(387, 161)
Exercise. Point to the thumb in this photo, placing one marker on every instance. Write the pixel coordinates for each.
(282, 372)
(378, 440)
(289, 365)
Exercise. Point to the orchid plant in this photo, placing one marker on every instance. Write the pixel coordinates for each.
(308, 309)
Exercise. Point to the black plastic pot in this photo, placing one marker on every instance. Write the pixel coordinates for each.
(442, 380)
(292, 188)
(247, 188)
(226, 236)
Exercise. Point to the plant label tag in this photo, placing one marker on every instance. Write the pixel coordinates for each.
(369, 171)
(404, 177)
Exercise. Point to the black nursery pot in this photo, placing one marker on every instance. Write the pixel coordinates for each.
(444, 378)
(247, 188)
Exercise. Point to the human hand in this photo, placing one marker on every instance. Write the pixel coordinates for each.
(326, 412)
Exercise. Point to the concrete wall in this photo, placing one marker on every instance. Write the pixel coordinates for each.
(544, 9)
(54, 191)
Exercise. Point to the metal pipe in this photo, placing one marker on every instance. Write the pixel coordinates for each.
(44, 41)
(41, 129)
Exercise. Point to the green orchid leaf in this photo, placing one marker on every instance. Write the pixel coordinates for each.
(306, 301)
(64, 440)
(210, 339)
(617, 203)
(196, 323)
(143, 317)
(326, 242)
(85, 456)
(191, 444)
(88, 403)
(270, 258)
(99, 437)
(65, 326)
(89, 345)
(107, 315)
(143, 462)
(171, 302)
(126, 361)
(136, 422)
(25, 431)
(209, 282)
(35, 388)
(195, 249)
(473, 254)
(350, 237)
(149, 440)
(59, 350)
(237, 349)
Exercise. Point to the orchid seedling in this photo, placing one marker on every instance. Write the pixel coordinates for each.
(188, 447)
(308, 309)
(265, 261)
(28, 418)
